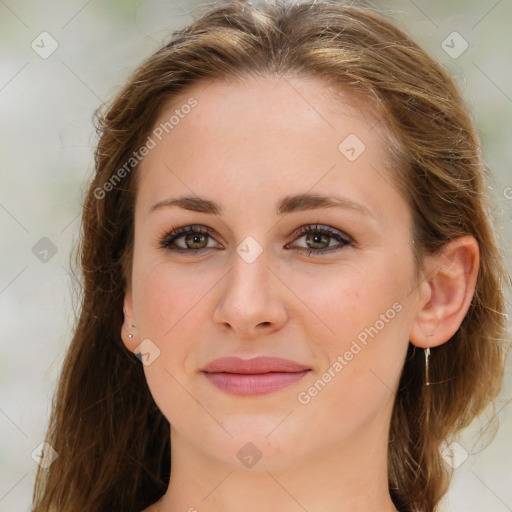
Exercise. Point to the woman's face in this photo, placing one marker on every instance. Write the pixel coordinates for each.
(270, 271)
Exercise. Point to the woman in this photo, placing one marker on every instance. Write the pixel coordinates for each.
(292, 292)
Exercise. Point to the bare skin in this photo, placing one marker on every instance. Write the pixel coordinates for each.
(247, 145)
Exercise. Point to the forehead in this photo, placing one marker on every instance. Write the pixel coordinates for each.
(281, 133)
(288, 103)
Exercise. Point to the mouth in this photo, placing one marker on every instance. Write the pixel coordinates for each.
(251, 377)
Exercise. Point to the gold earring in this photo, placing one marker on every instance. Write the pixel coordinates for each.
(427, 366)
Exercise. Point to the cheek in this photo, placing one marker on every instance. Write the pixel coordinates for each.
(358, 382)
(361, 332)
(166, 298)
(343, 303)
(165, 305)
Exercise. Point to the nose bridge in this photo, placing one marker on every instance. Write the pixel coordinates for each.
(251, 254)
(248, 279)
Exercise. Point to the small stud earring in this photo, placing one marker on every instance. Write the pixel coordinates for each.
(130, 335)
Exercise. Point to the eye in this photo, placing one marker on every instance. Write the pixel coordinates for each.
(194, 239)
(319, 239)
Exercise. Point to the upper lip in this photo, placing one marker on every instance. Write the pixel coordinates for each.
(261, 364)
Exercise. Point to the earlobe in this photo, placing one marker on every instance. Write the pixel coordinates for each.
(446, 292)
(129, 329)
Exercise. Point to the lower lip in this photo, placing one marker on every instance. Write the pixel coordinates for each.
(254, 384)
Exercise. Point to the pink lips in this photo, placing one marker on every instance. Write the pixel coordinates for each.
(257, 376)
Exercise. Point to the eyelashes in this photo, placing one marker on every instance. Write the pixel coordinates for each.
(318, 234)
(192, 234)
(197, 235)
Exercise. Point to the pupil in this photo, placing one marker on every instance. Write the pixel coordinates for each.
(196, 238)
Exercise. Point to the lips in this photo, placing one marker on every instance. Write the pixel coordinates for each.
(256, 376)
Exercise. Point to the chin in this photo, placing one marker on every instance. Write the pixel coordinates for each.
(258, 444)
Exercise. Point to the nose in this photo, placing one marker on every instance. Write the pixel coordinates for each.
(251, 302)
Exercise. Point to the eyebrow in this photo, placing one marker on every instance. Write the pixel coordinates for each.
(288, 204)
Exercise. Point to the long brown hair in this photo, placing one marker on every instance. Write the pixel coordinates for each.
(112, 440)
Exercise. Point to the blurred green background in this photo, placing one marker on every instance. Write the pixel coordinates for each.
(58, 62)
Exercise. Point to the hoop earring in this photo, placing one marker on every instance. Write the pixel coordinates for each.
(427, 366)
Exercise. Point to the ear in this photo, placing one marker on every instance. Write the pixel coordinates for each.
(129, 328)
(446, 292)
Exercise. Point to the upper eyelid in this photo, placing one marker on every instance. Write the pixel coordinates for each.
(304, 229)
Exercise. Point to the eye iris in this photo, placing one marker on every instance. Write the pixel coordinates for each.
(317, 239)
(195, 238)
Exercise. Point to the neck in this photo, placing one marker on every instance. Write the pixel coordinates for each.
(351, 478)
